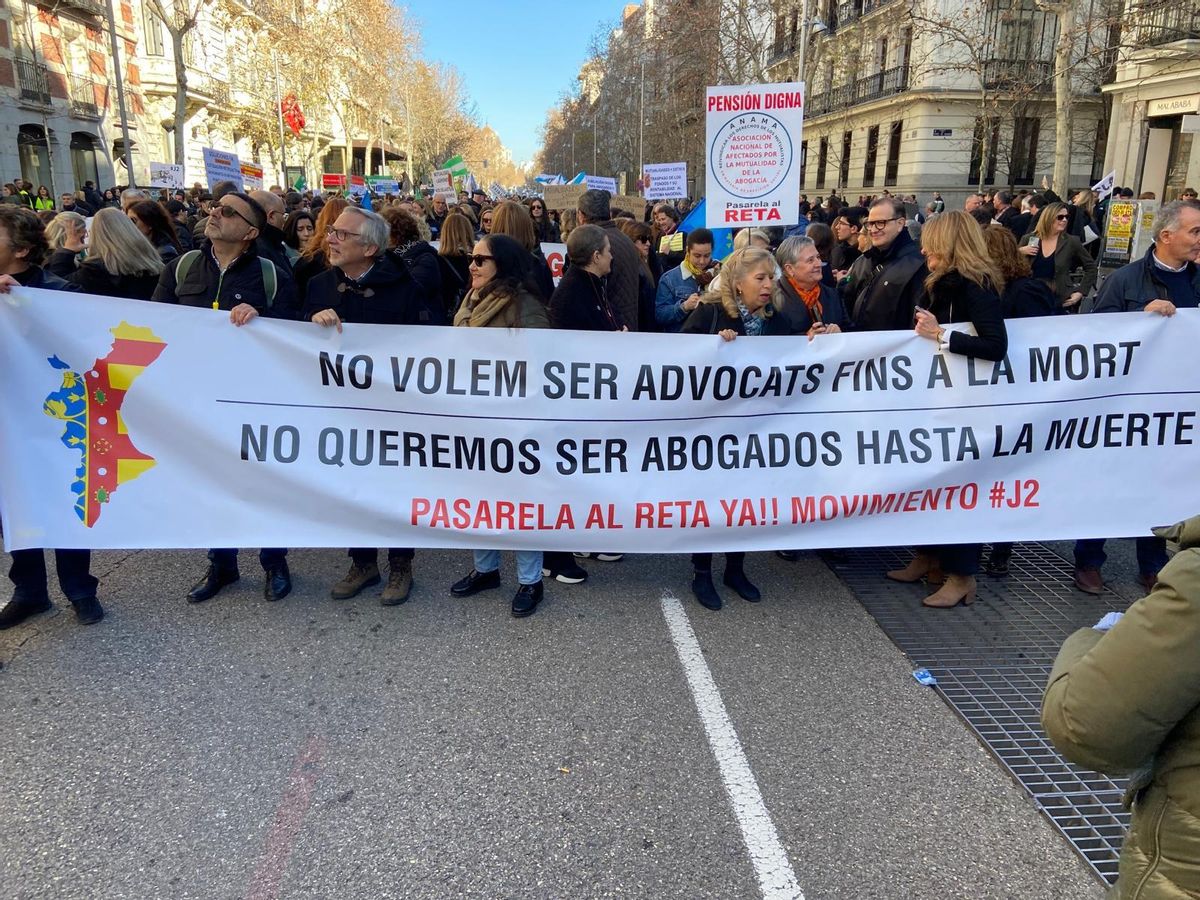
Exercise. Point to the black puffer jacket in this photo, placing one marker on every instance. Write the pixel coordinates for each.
(387, 295)
(243, 282)
(93, 278)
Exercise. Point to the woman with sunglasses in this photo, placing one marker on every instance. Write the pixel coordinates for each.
(503, 295)
(486, 217)
(963, 286)
(546, 230)
(1054, 255)
(641, 235)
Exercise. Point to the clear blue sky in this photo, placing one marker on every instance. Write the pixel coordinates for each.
(548, 40)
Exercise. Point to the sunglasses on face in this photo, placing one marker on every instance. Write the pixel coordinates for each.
(1062, 218)
(228, 212)
(478, 260)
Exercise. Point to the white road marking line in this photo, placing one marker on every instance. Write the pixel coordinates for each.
(776, 878)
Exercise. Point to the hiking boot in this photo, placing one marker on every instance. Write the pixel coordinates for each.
(399, 581)
(357, 579)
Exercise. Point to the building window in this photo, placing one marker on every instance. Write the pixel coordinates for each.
(153, 29)
(803, 162)
(83, 158)
(844, 168)
(872, 156)
(977, 146)
(34, 152)
(822, 159)
(332, 163)
(893, 154)
(1024, 149)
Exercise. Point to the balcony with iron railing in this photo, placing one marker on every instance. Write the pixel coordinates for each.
(1018, 74)
(1166, 22)
(32, 83)
(83, 98)
(886, 83)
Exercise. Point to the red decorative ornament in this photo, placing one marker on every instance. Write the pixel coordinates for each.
(293, 116)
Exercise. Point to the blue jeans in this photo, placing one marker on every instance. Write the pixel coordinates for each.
(1151, 554)
(529, 564)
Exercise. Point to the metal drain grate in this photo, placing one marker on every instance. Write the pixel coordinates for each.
(992, 661)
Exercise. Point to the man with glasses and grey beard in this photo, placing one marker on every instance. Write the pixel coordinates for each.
(367, 285)
(886, 283)
(227, 274)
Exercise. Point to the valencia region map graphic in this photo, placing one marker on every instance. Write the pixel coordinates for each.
(91, 407)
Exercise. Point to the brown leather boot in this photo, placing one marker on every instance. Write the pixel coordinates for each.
(921, 565)
(356, 580)
(957, 589)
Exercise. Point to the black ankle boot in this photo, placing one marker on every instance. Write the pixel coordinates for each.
(736, 579)
(705, 591)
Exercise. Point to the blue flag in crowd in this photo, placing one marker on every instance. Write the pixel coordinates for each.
(366, 201)
(722, 237)
(578, 179)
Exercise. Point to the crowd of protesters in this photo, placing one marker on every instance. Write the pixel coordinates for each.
(880, 264)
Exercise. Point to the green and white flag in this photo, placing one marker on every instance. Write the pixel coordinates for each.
(457, 167)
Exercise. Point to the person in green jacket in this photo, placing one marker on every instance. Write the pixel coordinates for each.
(1124, 698)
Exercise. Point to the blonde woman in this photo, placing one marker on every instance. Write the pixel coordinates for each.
(745, 306)
(963, 286)
(1054, 255)
(121, 261)
(65, 234)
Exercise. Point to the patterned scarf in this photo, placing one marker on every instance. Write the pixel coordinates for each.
(754, 323)
(810, 298)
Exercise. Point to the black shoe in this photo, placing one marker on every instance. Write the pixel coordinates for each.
(88, 610)
(20, 609)
(278, 582)
(212, 582)
(475, 582)
(789, 555)
(705, 591)
(565, 570)
(526, 600)
(996, 566)
(741, 584)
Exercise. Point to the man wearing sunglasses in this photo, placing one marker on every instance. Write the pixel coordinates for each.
(367, 285)
(228, 275)
(887, 283)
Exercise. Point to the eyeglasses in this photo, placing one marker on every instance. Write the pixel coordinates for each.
(643, 240)
(1062, 218)
(879, 225)
(479, 259)
(228, 212)
(340, 233)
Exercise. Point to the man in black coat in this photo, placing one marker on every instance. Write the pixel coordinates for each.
(227, 273)
(887, 283)
(365, 284)
(22, 241)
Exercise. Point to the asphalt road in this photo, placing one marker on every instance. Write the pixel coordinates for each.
(322, 749)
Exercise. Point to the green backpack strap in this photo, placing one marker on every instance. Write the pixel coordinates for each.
(270, 279)
(183, 267)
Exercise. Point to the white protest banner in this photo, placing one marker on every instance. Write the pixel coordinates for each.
(752, 136)
(443, 182)
(665, 181)
(252, 177)
(600, 183)
(221, 166)
(1104, 186)
(166, 175)
(117, 429)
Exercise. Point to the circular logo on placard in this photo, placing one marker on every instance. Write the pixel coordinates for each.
(752, 155)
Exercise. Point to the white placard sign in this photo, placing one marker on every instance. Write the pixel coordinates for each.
(600, 183)
(166, 175)
(753, 151)
(117, 431)
(222, 166)
(665, 181)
